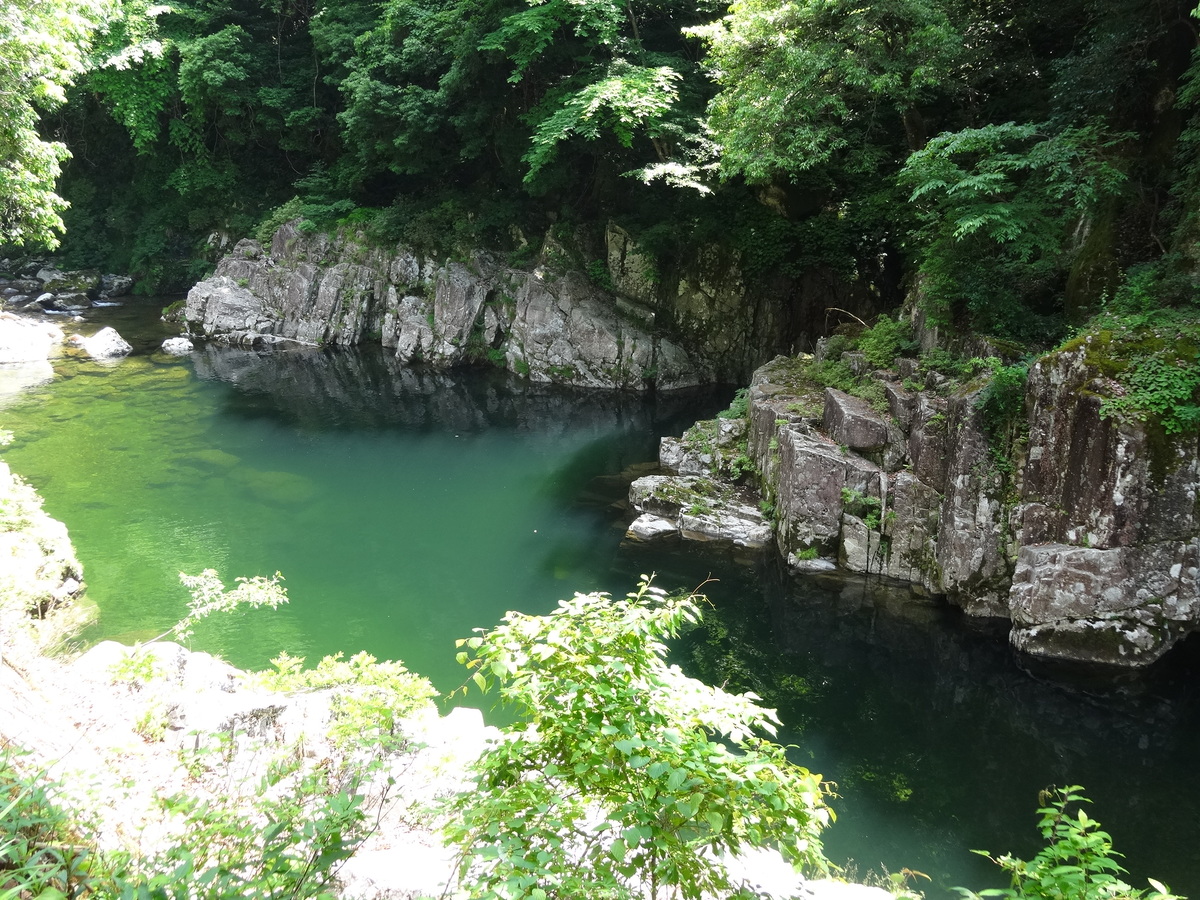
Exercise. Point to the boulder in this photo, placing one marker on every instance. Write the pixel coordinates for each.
(115, 286)
(851, 421)
(1114, 607)
(227, 311)
(737, 523)
(649, 527)
(65, 301)
(685, 458)
(177, 346)
(696, 508)
(106, 344)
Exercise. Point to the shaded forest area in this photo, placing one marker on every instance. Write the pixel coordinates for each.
(1029, 163)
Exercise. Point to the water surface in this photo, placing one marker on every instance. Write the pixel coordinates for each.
(407, 508)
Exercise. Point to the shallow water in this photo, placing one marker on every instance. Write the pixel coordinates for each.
(407, 508)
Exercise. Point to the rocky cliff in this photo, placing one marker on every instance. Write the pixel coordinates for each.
(1082, 530)
(548, 323)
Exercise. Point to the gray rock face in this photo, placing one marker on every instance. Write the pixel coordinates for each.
(323, 289)
(1088, 539)
(229, 311)
(852, 422)
(815, 477)
(696, 508)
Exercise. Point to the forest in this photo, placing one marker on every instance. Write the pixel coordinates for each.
(1027, 164)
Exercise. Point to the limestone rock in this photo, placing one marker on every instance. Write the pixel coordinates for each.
(1088, 478)
(972, 553)
(737, 523)
(115, 285)
(226, 310)
(39, 573)
(649, 527)
(813, 474)
(697, 508)
(927, 440)
(851, 421)
(1087, 538)
(1116, 607)
(27, 341)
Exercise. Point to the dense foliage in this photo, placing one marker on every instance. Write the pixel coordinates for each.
(1011, 161)
(1077, 862)
(43, 47)
(624, 778)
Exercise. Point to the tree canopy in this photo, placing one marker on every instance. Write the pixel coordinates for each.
(1008, 159)
(44, 46)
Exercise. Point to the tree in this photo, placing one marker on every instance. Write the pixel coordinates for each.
(610, 68)
(43, 47)
(808, 81)
(998, 207)
(612, 785)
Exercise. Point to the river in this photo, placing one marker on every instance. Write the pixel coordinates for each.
(406, 508)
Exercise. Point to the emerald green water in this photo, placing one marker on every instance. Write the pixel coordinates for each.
(406, 509)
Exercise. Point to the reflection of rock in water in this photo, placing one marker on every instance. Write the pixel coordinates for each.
(320, 389)
(924, 718)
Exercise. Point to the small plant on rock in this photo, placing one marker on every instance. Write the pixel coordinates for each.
(1077, 863)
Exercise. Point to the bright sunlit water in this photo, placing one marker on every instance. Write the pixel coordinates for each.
(406, 509)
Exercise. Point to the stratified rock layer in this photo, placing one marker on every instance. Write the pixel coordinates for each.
(698, 318)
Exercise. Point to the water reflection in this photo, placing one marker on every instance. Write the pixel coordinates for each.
(323, 390)
(939, 741)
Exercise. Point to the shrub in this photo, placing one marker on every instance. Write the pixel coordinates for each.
(886, 340)
(612, 785)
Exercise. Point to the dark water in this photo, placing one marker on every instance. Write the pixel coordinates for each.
(407, 508)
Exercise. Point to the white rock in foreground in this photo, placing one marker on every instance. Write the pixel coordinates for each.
(26, 340)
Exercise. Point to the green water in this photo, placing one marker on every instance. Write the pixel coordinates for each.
(406, 509)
